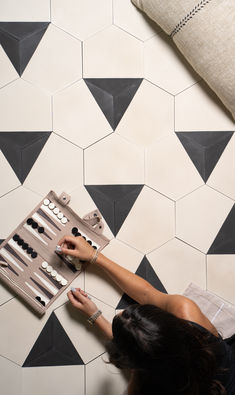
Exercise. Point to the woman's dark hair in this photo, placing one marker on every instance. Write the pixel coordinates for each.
(166, 353)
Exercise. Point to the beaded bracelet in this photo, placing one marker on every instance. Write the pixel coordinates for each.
(95, 256)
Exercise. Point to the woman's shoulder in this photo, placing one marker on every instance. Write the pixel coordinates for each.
(188, 310)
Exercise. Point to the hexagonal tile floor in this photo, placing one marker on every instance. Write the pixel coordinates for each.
(96, 101)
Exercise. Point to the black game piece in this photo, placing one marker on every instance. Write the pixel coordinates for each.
(29, 221)
(34, 225)
(74, 231)
(16, 237)
(25, 246)
(29, 250)
(20, 241)
(34, 254)
(40, 229)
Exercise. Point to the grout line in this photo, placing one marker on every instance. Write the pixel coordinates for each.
(83, 156)
(82, 58)
(11, 82)
(14, 189)
(188, 87)
(84, 379)
(160, 193)
(190, 245)
(8, 359)
(152, 83)
(50, 11)
(52, 113)
(216, 190)
(13, 297)
(113, 12)
(97, 141)
(129, 33)
(174, 114)
(64, 138)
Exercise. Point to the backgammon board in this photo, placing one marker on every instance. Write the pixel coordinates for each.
(29, 263)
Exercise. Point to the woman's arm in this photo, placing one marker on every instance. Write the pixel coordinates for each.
(80, 300)
(136, 287)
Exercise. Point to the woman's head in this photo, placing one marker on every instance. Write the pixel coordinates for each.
(164, 350)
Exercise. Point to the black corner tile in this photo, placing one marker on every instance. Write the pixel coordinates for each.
(204, 149)
(21, 149)
(20, 40)
(113, 95)
(224, 242)
(53, 347)
(114, 202)
(145, 271)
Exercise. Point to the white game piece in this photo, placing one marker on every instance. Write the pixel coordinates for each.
(58, 249)
(46, 202)
(53, 273)
(56, 210)
(64, 220)
(69, 258)
(44, 265)
(78, 266)
(64, 281)
(49, 269)
(58, 278)
(51, 206)
(60, 215)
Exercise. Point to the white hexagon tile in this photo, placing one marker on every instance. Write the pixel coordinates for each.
(63, 65)
(71, 116)
(97, 102)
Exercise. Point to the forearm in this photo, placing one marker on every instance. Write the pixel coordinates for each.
(105, 326)
(131, 284)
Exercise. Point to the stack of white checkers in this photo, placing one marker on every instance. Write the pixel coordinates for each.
(30, 262)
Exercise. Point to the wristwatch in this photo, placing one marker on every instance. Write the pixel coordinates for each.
(94, 316)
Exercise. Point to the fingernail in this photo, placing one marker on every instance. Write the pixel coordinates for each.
(73, 289)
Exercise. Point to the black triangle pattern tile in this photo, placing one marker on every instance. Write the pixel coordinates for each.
(20, 40)
(53, 347)
(204, 149)
(224, 242)
(114, 202)
(21, 149)
(113, 95)
(1, 241)
(145, 271)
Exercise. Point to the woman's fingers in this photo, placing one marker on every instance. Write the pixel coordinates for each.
(69, 251)
(68, 239)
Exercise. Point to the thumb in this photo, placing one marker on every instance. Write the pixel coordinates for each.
(68, 251)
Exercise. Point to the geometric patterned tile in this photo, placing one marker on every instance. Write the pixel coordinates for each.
(150, 222)
(53, 380)
(24, 108)
(99, 284)
(168, 166)
(199, 109)
(222, 178)
(204, 149)
(224, 242)
(103, 378)
(25, 10)
(146, 272)
(20, 39)
(200, 215)
(114, 202)
(82, 204)
(14, 207)
(130, 19)
(5, 294)
(149, 117)
(9, 180)
(54, 172)
(82, 18)
(113, 95)
(56, 62)
(87, 340)
(21, 149)
(165, 66)
(178, 264)
(114, 160)
(113, 53)
(8, 73)
(11, 377)
(72, 109)
(220, 276)
(53, 347)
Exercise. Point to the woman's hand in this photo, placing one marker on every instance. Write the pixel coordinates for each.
(76, 246)
(79, 299)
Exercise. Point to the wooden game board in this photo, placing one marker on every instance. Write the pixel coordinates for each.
(29, 264)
